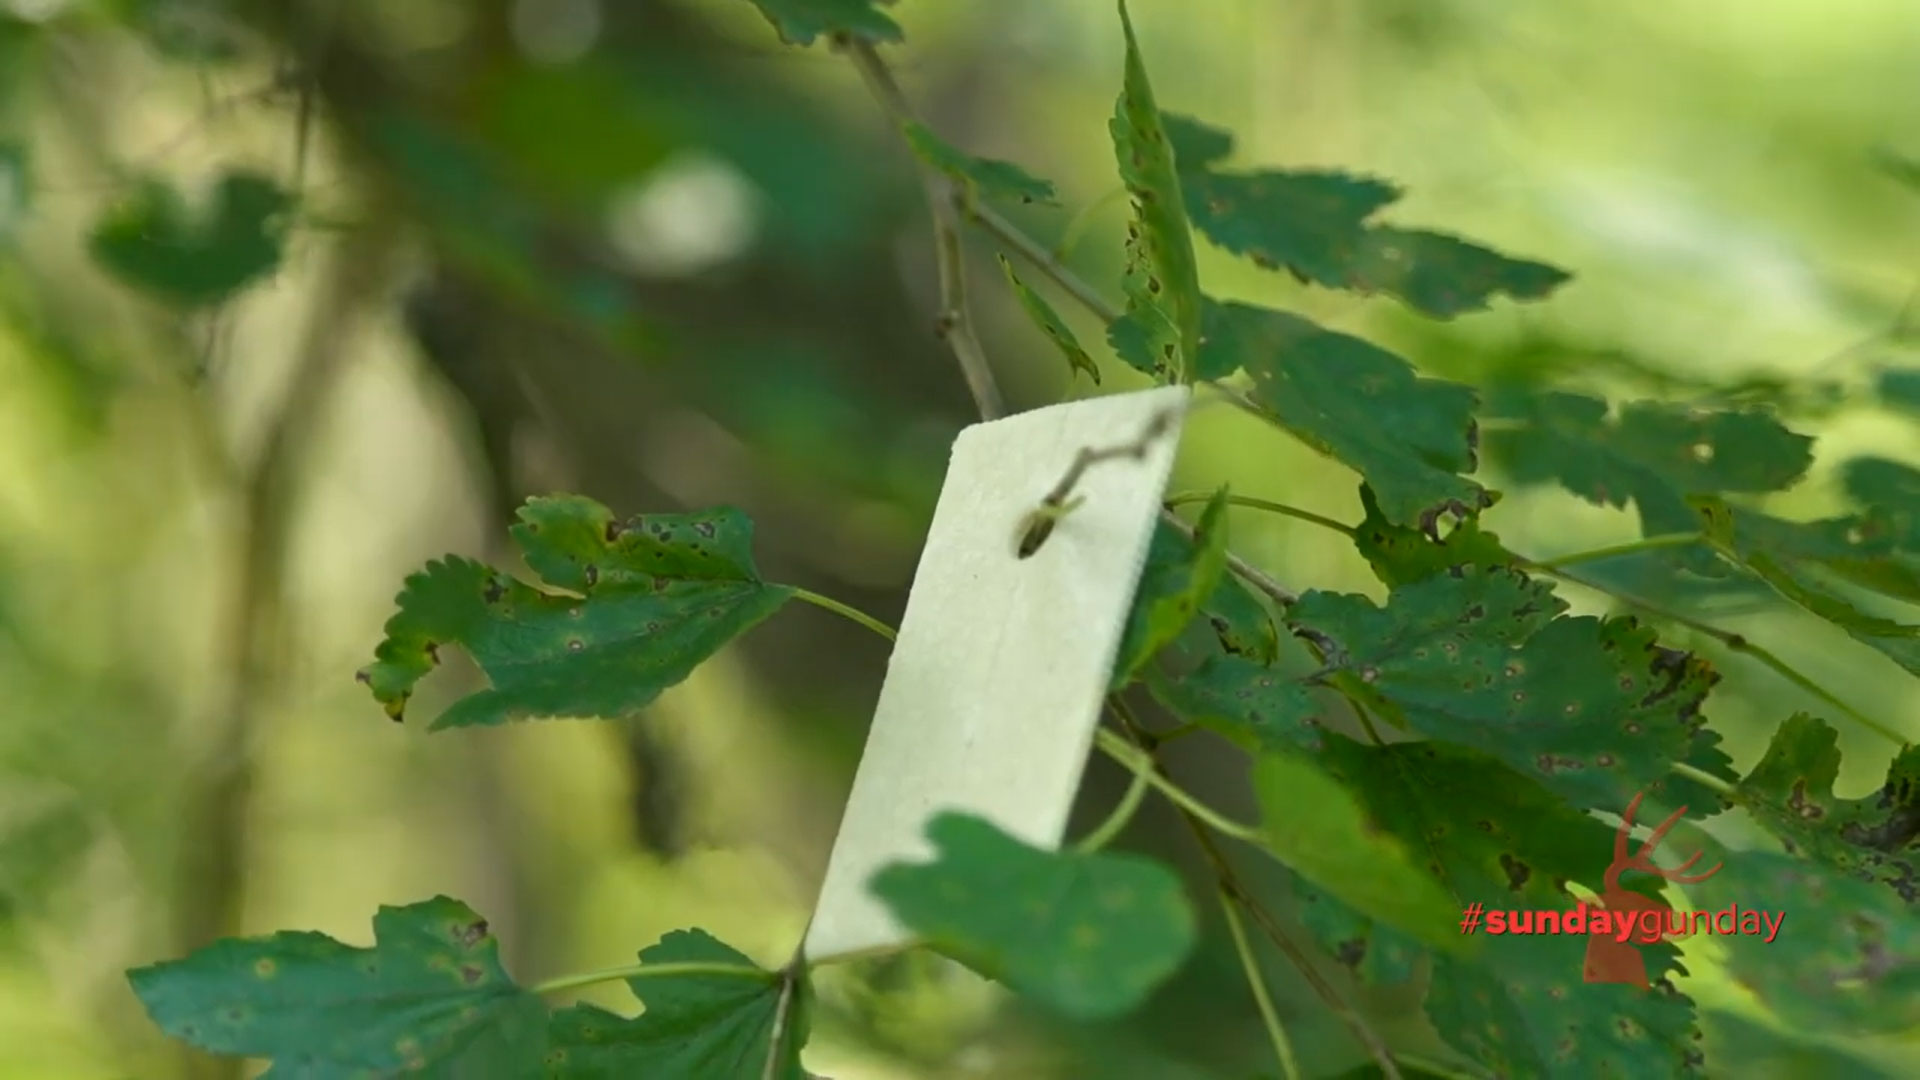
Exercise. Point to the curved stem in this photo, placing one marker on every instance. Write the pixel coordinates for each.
(1141, 764)
(1614, 551)
(1268, 505)
(1257, 983)
(1107, 831)
(846, 611)
(652, 971)
(1702, 777)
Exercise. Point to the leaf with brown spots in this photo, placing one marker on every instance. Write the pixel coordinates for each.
(695, 1025)
(981, 176)
(1051, 324)
(1403, 554)
(1873, 838)
(1520, 1007)
(655, 597)
(1089, 934)
(1595, 709)
(429, 999)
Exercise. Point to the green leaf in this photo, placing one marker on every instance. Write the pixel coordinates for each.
(1051, 324)
(1874, 838)
(190, 256)
(1179, 576)
(1899, 388)
(800, 21)
(1651, 453)
(1090, 934)
(695, 1025)
(1788, 558)
(659, 594)
(1594, 709)
(1846, 959)
(1521, 1006)
(1407, 435)
(1316, 224)
(1401, 555)
(1321, 832)
(1162, 280)
(428, 999)
(1373, 952)
(981, 176)
(1246, 702)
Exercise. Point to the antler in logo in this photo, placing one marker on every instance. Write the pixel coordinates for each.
(1609, 959)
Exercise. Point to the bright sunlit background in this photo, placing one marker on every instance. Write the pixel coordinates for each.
(644, 252)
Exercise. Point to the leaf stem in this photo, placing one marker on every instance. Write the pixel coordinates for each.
(1614, 551)
(1249, 573)
(1141, 763)
(1257, 983)
(945, 200)
(1702, 777)
(651, 971)
(1105, 833)
(846, 611)
(1268, 505)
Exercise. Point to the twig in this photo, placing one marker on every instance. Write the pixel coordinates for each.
(1253, 575)
(1257, 983)
(944, 200)
(1044, 261)
(1038, 525)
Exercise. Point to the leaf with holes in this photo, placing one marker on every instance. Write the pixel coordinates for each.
(696, 1025)
(980, 176)
(1594, 709)
(1090, 934)
(1401, 555)
(1844, 956)
(1162, 279)
(1318, 225)
(1409, 436)
(428, 999)
(1179, 577)
(1650, 453)
(1785, 556)
(189, 256)
(799, 22)
(1051, 324)
(1322, 833)
(1521, 1006)
(1874, 838)
(656, 596)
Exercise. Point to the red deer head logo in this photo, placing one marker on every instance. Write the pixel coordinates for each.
(1610, 959)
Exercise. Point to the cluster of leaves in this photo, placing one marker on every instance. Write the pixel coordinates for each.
(1446, 747)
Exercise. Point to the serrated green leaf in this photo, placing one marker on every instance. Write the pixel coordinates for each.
(1246, 702)
(1179, 576)
(1788, 557)
(1846, 959)
(1520, 1007)
(983, 177)
(155, 242)
(659, 594)
(1089, 934)
(1409, 436)
(695, 1025)
(1321, 832)
(1051, 324)
(1317, 225)
(1651, 453)
(1401, 555)
(1594, 709)
(1162, 280)
(799, 22)
(429, 999)
(1874, 838)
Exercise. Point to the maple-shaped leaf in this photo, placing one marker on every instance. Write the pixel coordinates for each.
(1594, 709)
(1179, 576)
(1844, 956)
(1401, 555)
(656, 596)
(1051, 324)
(696, 1025)
(1874, 838)
(1408, 435)
(194, 256)
(1792, 558)
(1162, 322)
(1650, 453)
(429, 999)
(1318, 224)
(799, 22)
(1089, 933)
(1520, 1006)
(982, 177)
